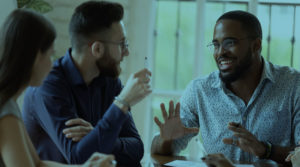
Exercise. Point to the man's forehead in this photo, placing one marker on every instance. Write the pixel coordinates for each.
(228, 28)
(118, 30)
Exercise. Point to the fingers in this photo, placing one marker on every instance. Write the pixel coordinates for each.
(191, 130)
(145, 79)
(77, 132)
(216, 160)
(295, 158)
(239, 129)
(77, 121)
(143, 72)
(289, 157)
(236, 124)
(227, 141)
(97, 155)
(242, 136)
(172, 112)
(235, 142)
(171, 109)
(76, 136)
(77, 129)
(108, 161)
(158, 123)
(163, 111)
(177, 110)
(101, 160)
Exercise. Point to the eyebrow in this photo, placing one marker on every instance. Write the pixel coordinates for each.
(214, 40)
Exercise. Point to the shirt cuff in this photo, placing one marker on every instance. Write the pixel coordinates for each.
(115, 117)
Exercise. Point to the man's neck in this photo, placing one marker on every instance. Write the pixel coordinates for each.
(86, 66)
(245, 86)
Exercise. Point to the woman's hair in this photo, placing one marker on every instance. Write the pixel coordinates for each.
(23, 34)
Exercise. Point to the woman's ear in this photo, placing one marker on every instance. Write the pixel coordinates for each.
(97, 49)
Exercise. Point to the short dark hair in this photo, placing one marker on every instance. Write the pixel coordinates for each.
(249, 22)
(91, 18)
(23, 34)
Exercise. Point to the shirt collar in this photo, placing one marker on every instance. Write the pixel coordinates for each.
(266, 75)
(71, 70)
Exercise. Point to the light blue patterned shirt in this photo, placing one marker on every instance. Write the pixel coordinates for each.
(272, 114)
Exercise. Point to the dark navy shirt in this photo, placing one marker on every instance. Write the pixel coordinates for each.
(63, 96)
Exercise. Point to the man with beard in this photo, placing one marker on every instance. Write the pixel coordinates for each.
(82, 107)
(249, 109)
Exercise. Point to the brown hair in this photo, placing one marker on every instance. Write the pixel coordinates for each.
(91, 18)
(23, 34)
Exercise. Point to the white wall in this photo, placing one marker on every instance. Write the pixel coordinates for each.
(6, 6)
(140, 29)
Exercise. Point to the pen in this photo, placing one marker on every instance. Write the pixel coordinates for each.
(146, 62)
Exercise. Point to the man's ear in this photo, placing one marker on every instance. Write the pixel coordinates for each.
(97, 49)
(256, 47)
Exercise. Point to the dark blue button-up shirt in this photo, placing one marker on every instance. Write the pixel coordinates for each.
(63, 96)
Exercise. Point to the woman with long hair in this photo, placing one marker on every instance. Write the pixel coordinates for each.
(26, 46)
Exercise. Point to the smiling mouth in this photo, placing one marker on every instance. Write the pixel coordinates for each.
(225, 65)
(223, 62)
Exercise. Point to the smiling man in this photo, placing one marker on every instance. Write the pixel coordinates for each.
(248, 109)
(82, 107)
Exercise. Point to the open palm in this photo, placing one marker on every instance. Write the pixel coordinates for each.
(172, 128)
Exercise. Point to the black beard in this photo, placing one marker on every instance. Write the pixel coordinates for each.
(108, 66)
(239, 71)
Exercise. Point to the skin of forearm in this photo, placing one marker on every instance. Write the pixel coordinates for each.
(161, 147)
(54, 164)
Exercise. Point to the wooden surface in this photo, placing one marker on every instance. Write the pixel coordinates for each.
(155, 160)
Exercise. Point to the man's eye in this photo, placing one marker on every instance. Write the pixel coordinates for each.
(228, 43)
(216, 45)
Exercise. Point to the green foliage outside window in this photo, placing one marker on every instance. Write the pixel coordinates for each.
(40, 6)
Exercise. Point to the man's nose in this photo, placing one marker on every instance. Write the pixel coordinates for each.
(220, 52)
(126, 52)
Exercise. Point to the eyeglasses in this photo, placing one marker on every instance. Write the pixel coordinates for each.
(123, 44)
(227, 44)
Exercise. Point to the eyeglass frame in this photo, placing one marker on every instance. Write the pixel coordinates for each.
(124, 44)
(233, 41)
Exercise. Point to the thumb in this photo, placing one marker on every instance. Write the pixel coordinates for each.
(228, 141)
(191, 130)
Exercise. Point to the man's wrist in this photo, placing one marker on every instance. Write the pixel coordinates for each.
(123, 105)
(268, 151)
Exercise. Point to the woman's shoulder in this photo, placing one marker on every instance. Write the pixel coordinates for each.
(10, 108)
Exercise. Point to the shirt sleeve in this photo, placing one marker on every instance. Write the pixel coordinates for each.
(129, 149)
(188, 115)
(296, 114)
(132, 149)
(53, 107)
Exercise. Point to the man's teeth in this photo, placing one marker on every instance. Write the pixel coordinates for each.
(226, 62)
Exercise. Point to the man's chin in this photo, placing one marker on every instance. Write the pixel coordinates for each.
(228, 78)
